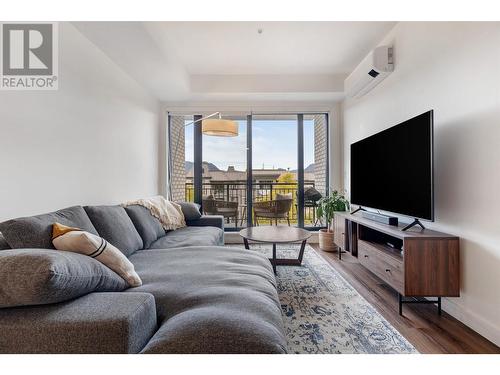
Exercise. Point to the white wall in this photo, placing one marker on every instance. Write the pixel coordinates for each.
(94, 141)
(335, 150)
(453, 68)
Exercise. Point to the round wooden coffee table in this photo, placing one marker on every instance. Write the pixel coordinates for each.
(277, 235)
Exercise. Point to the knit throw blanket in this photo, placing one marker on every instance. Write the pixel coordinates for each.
(168, 213)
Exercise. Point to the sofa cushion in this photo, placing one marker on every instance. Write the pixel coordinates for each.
(36, 231)
(42, 276)
(211, 299)
(148, 226)
(97, 323)
(114, 225)
(190, 210)
(207, 221)
(3, 243)
(190, 236)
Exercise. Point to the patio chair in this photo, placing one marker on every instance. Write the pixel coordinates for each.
(220, 207)
(274, 209)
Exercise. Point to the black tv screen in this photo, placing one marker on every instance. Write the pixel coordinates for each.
(393, 170)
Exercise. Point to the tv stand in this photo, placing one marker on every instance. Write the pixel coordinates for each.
(415, 263)
(357, 210)
(412, 224)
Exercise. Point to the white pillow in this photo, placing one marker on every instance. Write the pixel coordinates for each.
(75, 240)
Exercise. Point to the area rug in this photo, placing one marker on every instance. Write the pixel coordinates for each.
(323, 313)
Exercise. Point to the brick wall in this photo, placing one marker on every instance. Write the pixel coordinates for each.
(320, 153)
(177, 144)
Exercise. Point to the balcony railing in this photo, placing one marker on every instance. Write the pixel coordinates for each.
(261, 191)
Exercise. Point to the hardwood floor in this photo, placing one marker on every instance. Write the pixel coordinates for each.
(420, 324)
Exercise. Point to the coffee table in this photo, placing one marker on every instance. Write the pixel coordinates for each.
(277, 235)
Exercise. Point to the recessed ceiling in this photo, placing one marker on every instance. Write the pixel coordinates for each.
(188, 61)
(281, 48)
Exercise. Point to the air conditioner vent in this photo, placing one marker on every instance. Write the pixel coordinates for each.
(370, 72)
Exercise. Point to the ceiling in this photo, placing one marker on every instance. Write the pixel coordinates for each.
(189, 61)
(281, 48)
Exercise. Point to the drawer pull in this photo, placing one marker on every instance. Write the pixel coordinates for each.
(366, 256)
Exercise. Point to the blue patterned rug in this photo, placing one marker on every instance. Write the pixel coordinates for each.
(323, 313)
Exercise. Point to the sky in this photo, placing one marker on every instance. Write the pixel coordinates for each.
(274, 145)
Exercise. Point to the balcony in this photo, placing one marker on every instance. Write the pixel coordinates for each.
(236, 192)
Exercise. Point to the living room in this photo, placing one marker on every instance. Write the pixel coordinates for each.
(295, 185)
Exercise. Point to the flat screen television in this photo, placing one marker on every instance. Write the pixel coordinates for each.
(393, 170)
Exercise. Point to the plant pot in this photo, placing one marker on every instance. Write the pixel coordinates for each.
(326, 240)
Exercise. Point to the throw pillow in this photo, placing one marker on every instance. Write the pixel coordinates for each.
(43, 276)
(190, 210)
(75, 240)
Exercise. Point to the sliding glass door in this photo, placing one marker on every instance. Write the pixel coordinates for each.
(275, 169)
(224, 175)
(272, 173)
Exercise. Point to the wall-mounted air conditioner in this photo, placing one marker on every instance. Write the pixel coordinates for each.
(370, 72)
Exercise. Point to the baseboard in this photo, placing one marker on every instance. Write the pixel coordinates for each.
(470, 319)
(235, 238)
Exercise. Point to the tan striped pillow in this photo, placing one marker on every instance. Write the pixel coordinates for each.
(76, 240)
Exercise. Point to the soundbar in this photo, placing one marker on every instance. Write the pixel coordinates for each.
(384, 219)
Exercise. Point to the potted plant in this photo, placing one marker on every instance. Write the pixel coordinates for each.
(326, 210)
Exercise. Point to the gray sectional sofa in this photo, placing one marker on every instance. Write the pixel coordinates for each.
(197, 296)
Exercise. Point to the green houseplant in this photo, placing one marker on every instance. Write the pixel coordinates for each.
(326, 210)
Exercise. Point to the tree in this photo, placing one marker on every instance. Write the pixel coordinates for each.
(287, 178)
